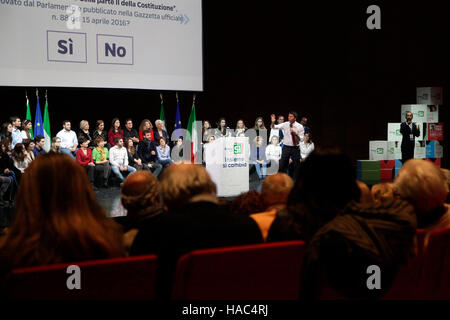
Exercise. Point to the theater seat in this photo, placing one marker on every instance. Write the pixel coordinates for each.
(131, 278)
(253, 272)
(405, 286)
(435, 279)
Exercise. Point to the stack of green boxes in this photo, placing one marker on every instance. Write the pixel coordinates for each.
(368, 171)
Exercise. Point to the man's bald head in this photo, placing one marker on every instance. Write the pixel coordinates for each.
(276, 188)
(182, 182)
(140, 190)
(423, 184)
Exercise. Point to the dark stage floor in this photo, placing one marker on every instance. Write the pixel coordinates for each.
(109, 199)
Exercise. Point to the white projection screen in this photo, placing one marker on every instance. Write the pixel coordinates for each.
(102, 44)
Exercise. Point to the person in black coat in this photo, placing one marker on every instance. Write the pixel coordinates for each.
(195, 220)
(409, 131)
(146, 151)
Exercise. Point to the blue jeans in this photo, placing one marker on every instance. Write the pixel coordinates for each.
(69, 153)
(258, 169)
(117, 172)
(166, 163)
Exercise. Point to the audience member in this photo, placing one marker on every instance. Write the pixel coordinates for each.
(145, 125)
(304, 123)
(424, 185)
(240, 128)
(115, 132)
(69, 141)
(260, 129)
(147, 153)
(39, 145)
(20, 157)
(58, 219)
(100, 132)
(274, 194)
(140, 196)
(306, 147)
(382, 192)
(29, 147)
(194, 221)
(130, 132)
(55, 146)
(273, 151)
(178, 150)
(277, 132)
(247, 203)
(133, 158)
(6, 131)
(222, 130)
(118, 157)
(100, 155)
(258, 157)
(207, 131)
(159, 132)
(326, 182)
(163, 151)
(366, 195)
(362, 235)
(84, 134)
(84, 158)
(16, 134)
(26, 127)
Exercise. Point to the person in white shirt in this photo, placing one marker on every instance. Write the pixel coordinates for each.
(273, 150)
(118, 158)
(26, 129)
(69, 140)
(293, 133)
(277, 132)
(16, 134)
(306, 146)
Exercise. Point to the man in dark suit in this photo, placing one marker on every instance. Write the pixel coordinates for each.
(147, 153)
(409, 131)
(194, 221)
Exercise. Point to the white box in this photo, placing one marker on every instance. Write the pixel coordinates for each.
(419, 112)
(378, 150)
(420, 149)
(394, 151)
(433, 113)
(394, 132)
(429, 95)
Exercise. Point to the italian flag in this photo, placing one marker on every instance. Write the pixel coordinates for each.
(161, 114)
(47, 133)
(192, 129)
(28, 117)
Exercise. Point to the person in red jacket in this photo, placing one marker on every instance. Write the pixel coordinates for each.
(115, 131)
(146, 125)
(84, 158)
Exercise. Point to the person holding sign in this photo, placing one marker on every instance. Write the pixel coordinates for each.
(293, 133)
(409, 131)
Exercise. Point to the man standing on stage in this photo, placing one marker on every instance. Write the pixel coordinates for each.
(293, 133)
(409, 130)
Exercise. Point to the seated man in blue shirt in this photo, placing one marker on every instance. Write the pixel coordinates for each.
(39, 148)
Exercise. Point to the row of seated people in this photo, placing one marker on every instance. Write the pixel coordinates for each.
(326, 208)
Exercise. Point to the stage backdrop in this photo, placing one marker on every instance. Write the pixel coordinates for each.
(102, 44)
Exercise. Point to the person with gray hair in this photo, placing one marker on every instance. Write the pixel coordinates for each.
(425, 186)
(84, 134)
(195, 220)
(160, 132)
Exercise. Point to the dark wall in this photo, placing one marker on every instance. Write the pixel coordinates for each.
(317, 58)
